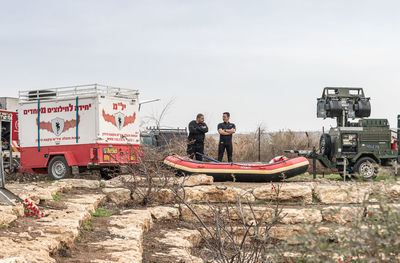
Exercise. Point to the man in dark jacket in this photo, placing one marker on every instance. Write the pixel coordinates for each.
(225, 129)
(197, 131)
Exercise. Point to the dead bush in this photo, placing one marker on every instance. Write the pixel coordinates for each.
(234, 234)
(149, 177)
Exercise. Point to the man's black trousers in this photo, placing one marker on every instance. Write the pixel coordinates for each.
(193, 148)
(221, 149)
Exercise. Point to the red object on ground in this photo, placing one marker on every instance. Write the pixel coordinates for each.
(250, 172)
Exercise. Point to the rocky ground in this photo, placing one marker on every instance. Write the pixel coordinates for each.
(99, 221)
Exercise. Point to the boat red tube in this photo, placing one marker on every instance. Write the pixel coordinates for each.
(245, 172)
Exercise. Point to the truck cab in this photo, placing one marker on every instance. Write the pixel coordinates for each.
(162, 137)
(9, 133)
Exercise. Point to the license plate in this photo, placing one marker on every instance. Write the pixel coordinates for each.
(110, 150)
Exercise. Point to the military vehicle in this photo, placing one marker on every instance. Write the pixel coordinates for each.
(358, 145)
(162, 137)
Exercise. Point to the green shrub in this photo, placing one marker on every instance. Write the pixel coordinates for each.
(372, 236)
(100, 212)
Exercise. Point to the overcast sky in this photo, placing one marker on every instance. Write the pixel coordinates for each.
(263, 61)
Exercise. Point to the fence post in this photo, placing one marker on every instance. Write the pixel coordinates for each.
(259, 144)
(314, 165)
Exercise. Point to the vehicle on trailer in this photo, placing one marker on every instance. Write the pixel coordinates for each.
(72, 129)
(162, 137)
(353, 147)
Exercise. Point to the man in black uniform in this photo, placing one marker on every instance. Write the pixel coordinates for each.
(225, 129)
(197, 131)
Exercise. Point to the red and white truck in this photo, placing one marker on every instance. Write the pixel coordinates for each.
(77, 128)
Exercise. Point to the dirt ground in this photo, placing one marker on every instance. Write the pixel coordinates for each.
(37, 177)
(24, 227)
(151, 245)
(82, 251)
(92, 231)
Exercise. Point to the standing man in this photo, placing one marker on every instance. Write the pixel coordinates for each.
(197, 131)
(225, 129)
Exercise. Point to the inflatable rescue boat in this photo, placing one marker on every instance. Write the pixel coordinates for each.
(278, 169)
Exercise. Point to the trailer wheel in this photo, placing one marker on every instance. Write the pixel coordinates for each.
(366, 168)
(58, 168)
(325, 145)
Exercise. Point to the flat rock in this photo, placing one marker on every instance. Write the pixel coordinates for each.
(6, 218)
(393, 191)
(10, 213)
(164, 196)
(59, 227)
(127, 229)
(330, 194)
(216, 194)
(164, 212)
(285, 232)
(34, 191)
(194, 180)
(300, 215)
(82, 183)
(180, 242)
(341, 215)
(287, 192)
(204, 211)
(118, 196)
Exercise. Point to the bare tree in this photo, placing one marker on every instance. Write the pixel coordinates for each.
(157, 117)
(235, 233)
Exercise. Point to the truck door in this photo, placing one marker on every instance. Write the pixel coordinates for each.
(5, 135)
(9, 162)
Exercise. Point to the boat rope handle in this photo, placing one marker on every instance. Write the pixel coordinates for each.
(209, 158)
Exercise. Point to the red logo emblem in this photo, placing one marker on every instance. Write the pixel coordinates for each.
(58, 125)
(119, 119)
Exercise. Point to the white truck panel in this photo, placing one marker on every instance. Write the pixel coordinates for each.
(57, 122)
(106, 115)
(118, 121)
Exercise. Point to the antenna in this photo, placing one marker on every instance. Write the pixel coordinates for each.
(343, 104)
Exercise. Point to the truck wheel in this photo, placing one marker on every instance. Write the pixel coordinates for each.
(58, 168)
(325, 145)
(366, 168)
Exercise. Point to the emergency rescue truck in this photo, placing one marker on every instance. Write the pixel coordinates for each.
(72, 129)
